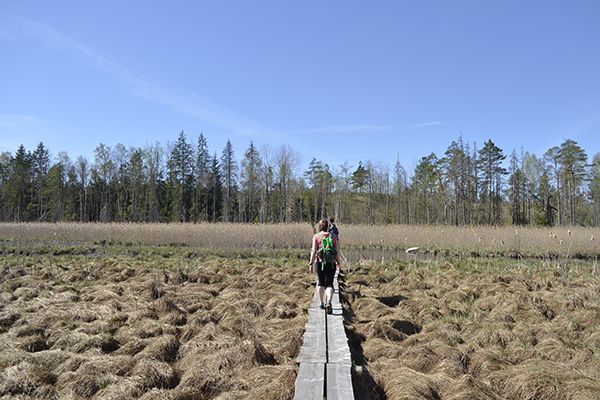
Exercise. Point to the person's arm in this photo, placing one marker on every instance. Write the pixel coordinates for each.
(313, 253)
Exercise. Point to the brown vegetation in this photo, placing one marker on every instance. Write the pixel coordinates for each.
(569, 242)
(144, 327)
(478, 332)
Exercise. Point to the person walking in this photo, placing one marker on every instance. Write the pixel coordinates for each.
(333, 228)
(324, 257)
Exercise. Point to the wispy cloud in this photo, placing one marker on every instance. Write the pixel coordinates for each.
(345, 129)
(17, 121)
(360, 128)
(424, 124)
(174, 98)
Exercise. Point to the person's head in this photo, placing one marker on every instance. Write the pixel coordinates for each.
(323, 225)
(332, 220)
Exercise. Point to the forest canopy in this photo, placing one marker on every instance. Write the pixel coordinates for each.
(186, 182)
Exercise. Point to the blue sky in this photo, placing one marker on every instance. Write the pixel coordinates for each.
(336, 80)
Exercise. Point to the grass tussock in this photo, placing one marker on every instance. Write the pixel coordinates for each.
(478, 331)
(148, 327)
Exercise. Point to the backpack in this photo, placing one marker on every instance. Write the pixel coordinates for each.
(327, 252)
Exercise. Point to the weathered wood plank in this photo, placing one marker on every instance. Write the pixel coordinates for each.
(325, 351)
(339, 382)
(314, 303)
(338, 350)
(314, 348)
(335, 300)
(310, 382)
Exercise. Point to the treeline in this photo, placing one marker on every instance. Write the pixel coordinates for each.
(185, 182)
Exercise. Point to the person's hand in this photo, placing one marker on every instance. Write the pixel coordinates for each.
(310, 268)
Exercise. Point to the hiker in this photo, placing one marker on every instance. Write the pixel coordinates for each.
(333, 228)
(324, 256)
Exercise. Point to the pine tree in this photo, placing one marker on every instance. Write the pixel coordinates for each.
(492, 173)
(359, 177)
(425, 183)
(516, 183)
(552, 159)
(573, 160)
(319, 178)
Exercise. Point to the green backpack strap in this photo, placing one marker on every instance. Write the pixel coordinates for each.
(321, 250)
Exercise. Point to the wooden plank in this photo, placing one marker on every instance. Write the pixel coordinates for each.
(339, 382)
(310, 382)
(325, 356)
(314, 303)
(335, 301)
(314, 348)
(338, 350)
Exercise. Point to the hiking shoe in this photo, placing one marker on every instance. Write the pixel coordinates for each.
(322, 306)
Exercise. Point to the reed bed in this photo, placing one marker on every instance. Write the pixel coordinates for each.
(480, 240)
(464, 241)
(199, 235)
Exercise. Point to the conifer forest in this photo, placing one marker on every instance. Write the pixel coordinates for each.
(185, 181)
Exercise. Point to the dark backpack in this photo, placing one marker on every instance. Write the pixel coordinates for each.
(327, 252)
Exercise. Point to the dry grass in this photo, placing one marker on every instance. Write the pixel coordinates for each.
(482, 331)
(273, 236)
(470, 241)
(176, 327)
(176, 322)
(480, 240)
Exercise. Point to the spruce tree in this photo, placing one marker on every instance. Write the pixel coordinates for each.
(180, 169)
(215, 190)
(201, 180)
(249, 182)
(229, 173)
(40, 164)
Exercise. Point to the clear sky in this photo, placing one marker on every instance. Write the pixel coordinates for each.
(337, 80)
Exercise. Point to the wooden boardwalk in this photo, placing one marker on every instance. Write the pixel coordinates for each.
(325, 363)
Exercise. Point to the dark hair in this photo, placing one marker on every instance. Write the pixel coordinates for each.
(332, 220)
(323, 225)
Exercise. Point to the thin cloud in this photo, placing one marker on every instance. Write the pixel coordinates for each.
(17, 121)
(345, 129)
(424, 124)
(174, 98)
(365, 128)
